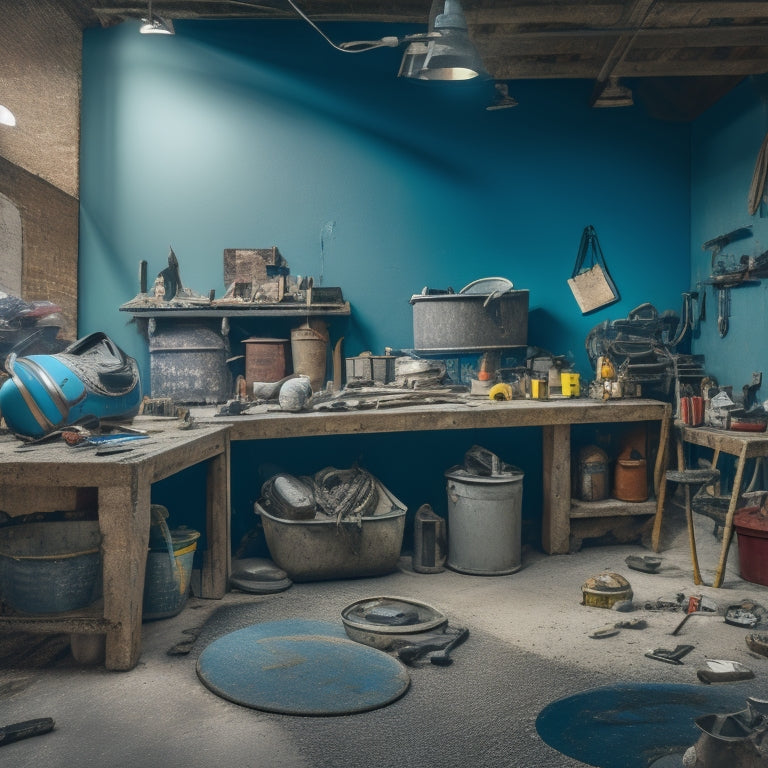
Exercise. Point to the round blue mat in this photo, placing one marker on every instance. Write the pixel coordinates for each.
(632, 725)
(300, 667)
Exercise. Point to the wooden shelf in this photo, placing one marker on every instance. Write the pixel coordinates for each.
(285, 309)
(611, 508)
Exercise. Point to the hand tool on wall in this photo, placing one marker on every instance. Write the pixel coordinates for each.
(720, 278)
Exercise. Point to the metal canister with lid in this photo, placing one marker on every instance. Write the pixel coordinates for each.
(591, 481)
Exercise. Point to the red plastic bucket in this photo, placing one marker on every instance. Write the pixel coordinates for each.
(752, 528)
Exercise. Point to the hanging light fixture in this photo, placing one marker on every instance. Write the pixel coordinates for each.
(155, 25)
(6, 116)
(445, 52)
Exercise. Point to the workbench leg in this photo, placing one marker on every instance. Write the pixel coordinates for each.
(660, 481)
(124, 521)
(556, 470)
(728, 529)
(692, 536)
(217, 556)
(660, 499)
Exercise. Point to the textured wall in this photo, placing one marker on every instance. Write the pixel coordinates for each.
(725, 146)
(40, 55)
(253, 134)
(40, 62)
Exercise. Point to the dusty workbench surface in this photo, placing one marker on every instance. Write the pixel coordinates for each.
(165, 449)
(263, 422)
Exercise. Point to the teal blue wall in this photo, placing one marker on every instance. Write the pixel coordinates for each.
(252, 134)
(725, 143)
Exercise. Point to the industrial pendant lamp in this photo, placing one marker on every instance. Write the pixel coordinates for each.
(6, 116)
(155, 25)
(445, 52)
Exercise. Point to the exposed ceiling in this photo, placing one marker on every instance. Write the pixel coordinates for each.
(677, 56)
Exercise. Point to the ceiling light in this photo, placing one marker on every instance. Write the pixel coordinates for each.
(6, 116)
(445, 52)
(614, 95)
(155, 25)
(503, 100)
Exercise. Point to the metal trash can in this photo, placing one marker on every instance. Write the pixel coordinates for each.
(484, 521)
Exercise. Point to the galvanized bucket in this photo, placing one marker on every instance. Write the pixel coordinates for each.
(484, 522)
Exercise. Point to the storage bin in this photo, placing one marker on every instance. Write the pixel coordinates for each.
(484, 521)
(321, 549)
(188, 363)
(459, 321)
(169, 567)
(752, 531)
(50, 567)
(266, 360)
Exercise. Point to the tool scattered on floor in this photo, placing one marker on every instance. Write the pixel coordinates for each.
(697, 606)
(25, 729)
(670, 657)
(436, 647)
(644, 563)
(609, 630)
(724, 671)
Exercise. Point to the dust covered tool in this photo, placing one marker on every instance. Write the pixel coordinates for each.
(23, 730)
(697, 606)
(724, 671)
(436, 647)
(670, 657)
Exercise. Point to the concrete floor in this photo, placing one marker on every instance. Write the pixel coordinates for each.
(528, 646)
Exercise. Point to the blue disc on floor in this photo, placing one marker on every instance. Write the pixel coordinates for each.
(633, 725)
(300, 667)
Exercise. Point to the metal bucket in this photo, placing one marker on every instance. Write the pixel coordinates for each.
(309, 350)
(484, 522)
(50, 567)
(169, 567)
(188, 363)
(459, 321)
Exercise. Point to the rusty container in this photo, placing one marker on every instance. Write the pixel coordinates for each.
(266, 360)
(630, 480)
(591, 478)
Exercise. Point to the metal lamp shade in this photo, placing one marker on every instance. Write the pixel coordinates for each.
(446, 53)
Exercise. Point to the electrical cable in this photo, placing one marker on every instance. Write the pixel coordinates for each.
(358, 46)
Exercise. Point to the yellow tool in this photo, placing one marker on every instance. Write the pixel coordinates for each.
(501, 391)
(607, 368)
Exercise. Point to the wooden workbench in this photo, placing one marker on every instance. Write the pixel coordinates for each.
(52, 477)
(554, 416)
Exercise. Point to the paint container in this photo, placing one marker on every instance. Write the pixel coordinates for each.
(591, 480)
(309, 350)
(169, 567)
(484, 521)
(266, 360)
(630, 480)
